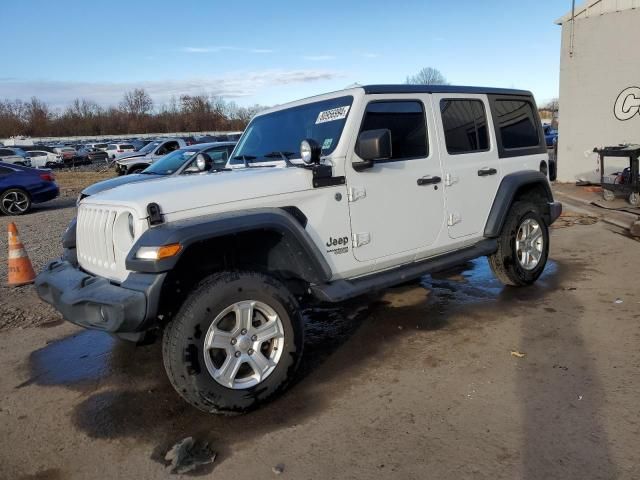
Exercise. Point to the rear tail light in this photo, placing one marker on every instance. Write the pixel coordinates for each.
(48, 177)
(120, 151)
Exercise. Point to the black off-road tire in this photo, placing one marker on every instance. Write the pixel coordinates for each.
(183, 341)
(504, 262)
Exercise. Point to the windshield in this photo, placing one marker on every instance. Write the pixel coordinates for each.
(284, 130)
(170, 163)
(148, 148)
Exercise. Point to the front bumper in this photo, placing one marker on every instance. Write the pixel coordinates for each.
(94, 302)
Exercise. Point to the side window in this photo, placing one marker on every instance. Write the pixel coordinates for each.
(171, 146)
(465, 125)
(5, 152)
(407, 123)
(517, 124)
(219, 156)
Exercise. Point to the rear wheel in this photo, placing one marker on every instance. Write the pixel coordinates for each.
(15, 202)
(523, 246)
(235, 343)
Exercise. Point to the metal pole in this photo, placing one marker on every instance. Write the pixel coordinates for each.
(573, 20)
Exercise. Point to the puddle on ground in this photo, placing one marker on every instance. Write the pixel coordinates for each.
(84, 357)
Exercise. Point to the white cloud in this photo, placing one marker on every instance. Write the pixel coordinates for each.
(60, 93)
(318, 58)
(224, 48)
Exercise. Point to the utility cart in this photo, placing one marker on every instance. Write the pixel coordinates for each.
(625, 183)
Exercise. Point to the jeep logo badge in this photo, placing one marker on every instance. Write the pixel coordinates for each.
(627, 104)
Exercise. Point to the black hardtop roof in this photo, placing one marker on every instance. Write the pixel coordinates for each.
(371, 89)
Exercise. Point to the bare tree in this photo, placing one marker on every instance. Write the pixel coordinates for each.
(137, 102)
(427, 76)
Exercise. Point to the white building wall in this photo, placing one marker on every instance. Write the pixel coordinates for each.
(605, 63)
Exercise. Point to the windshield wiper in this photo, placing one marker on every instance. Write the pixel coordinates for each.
(245, 159)
(283, 155)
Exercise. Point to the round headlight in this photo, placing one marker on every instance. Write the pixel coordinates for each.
(132, 227)
(305, 152)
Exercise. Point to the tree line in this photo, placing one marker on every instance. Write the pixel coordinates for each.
(136, 113)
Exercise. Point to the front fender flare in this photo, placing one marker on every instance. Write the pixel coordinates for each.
(307, 261)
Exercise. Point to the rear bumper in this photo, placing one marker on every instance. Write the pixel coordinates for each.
(94, 302)
(48, 193)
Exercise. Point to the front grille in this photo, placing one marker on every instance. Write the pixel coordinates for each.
(95, 238)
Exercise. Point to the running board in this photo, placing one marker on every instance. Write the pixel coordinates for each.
(341, 290)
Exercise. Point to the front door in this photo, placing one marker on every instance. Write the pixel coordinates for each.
(396, 206)
(470, 161)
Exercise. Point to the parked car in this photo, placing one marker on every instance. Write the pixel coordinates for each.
(99, 146)
(178, 162)
(117, 150)
(135, 163)
(89, 155)
(139, 144)
(67, 153)
(15, 155)
(550, 135)
(379, 185)
(45, 159)
(20, 187)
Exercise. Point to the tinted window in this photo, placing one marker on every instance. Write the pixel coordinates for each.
(407, 123)
(4, 151)
(127, 146)
(517, 124)
(465, 126)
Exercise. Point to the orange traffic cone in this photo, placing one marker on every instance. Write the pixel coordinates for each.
(20, 268)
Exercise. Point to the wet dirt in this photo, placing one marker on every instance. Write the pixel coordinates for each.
(415, 379)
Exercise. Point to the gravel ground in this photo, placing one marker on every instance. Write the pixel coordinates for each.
(41, 232)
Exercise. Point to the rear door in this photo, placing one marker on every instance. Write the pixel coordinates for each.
(470, 161)
(394, 213)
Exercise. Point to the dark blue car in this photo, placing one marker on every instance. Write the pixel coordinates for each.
(20, 187)
(550, 135)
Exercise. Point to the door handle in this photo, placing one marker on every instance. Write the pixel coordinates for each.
(483, 172)
(429, 180)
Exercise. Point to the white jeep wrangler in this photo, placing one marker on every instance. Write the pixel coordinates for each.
(327, 198)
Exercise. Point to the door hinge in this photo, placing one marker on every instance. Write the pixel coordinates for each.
(450, 179)
(360, 239)
(356, 193)
(454, 218)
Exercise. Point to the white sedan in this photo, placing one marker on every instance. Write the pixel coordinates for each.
(44, 159)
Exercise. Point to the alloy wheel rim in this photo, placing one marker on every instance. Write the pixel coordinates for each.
(244, 344)
(529, 244)
(15, 202)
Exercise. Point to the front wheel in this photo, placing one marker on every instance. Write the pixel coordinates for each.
(235, 343)
(523, 246)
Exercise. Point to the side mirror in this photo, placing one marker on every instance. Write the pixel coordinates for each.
(203, 162)
(372, 145)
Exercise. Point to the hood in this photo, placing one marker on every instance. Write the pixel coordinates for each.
(203, 194)
(127, 156)
(116, 182)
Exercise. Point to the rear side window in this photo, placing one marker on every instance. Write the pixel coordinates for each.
(465, 125)
(407, 123)
(517, 124)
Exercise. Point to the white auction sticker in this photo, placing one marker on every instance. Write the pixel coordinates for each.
(333, 114)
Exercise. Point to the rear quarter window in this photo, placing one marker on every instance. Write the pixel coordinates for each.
(517, 124)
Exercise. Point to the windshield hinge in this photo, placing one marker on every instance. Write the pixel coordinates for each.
(356, 193)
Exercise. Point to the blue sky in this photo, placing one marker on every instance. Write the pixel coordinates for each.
(270, 52)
